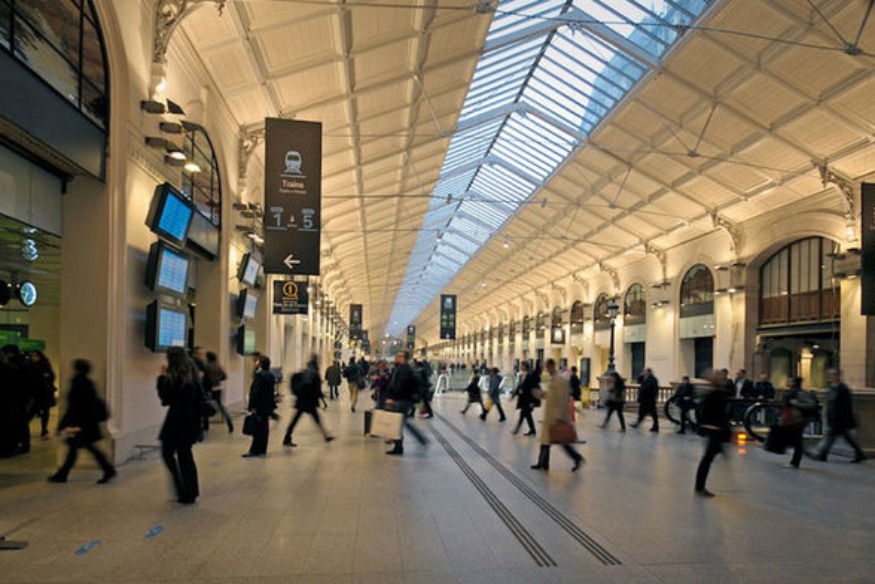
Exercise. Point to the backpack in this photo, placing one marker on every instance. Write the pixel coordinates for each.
(101, 412)
(297, 384)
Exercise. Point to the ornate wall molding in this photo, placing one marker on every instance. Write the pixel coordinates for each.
(612, 272)
(731, 229)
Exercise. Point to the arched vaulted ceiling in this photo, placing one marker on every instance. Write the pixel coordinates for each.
(731, 124)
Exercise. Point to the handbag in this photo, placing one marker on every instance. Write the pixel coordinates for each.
(207, 408)
(250, 423)
(386, 424)
(562, 433)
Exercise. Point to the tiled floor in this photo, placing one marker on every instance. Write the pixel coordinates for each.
(344, 512)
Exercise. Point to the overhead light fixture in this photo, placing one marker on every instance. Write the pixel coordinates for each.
(175, 153)
(156, 142)
(29, 250)
(191, 167)
(171, 160)
(506, 243)
(170, 127)
(150, 106)
(174, 108)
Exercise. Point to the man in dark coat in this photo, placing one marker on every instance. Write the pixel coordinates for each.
(684, 394)
(403, 386)
(839, 416)
(261, 405)
(353, 375)
(526, 401)
(714, 425)
(307, 388)
(81, 422)
(332, 377)
(648, 392)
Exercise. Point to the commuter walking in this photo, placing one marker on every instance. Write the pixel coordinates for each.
(332, 377)
(615, 400)
(179, 390)
(307, 388)
(474, 394)
(403, 386)
(423, 374)
(443, 382)
(648, 392)
(526, 401)
(261, 405)
(683, 395)
(798, 408)
(714, 425)
(23, 384)
(44, 394)
(354, 382)
(556, 414)
(495, 395)
(574, 381)
(81, 423)
(839, 417)
(214, 375)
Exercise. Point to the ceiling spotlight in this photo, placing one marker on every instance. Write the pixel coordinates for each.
(171, 160)
(483, 283)
(29, 250)
(506, 243)
(191, 167)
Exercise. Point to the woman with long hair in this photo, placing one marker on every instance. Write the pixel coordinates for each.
(179, 389)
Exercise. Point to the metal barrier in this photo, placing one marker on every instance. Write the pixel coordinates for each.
(673, 411)
(761, 414)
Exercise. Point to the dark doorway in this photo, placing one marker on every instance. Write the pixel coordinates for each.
(638, 358)
(704, 354)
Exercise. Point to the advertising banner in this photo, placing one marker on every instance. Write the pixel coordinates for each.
(867, 275)
(411, 337)
(355, 322)
(292, 196)
(448, 316)
(290, 297)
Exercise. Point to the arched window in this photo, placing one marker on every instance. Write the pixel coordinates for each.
(200, 176)
(61, 41)
(577, 317)
(797, 284)
(601, 317)
(527, 325)
(511, 328)
(635, 305)
(541, 322)
(501, 328)
(697, 291)
(556, 317)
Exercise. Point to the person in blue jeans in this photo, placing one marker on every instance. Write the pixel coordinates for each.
(495, 395)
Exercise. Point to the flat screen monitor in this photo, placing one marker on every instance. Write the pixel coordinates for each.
(247, 303)
(166, 326)
(167, 270)
(249, 266)
(203, 236)
(170, 214)
(245, 340)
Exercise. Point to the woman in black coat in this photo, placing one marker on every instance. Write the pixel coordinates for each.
(44, 394)
(307, 388)
(179, 389)
(526, 402)
(81, 421)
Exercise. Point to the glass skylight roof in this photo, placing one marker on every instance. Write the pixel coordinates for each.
(550, 72)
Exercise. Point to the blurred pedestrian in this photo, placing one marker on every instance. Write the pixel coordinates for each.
(839, 417)
(307, 388)
(714, 425)
(557, 414)
(262, 404)
(615, 400)
(214, 375)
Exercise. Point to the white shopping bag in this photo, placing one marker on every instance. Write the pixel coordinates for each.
(386, 424)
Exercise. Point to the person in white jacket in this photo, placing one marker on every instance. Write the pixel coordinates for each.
(443, 382)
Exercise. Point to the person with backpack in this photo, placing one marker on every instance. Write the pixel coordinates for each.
(307, 388)
(81, 424)
(354, 382)
(474, 394)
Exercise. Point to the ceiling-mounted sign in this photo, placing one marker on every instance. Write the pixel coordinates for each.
(448, 316)
(290, 297)
(292, 196)
(411, 337)
(355, 322)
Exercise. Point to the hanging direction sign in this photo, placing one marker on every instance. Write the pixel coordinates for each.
(290, 297)
(411, 337)
(448, 316)
(292, 196)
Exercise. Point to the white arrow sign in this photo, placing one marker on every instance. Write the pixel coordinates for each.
(291, 262)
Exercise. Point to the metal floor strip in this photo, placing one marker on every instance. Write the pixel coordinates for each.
(583, 538)
(523, 535)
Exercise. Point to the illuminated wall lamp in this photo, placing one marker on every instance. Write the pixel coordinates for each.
(191, 167)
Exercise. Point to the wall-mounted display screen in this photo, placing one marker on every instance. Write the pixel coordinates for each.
(166, 326)
(167, 270)
(249, 266)
(203, 236)
(170, 214)
(245, 340)
(247, 304)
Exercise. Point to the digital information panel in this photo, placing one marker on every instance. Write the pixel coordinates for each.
(172, 328)
(173, 274)
(411, 337)
(290, 297)
(448, 316)
(292, 196)
(867, 224)
(175, 217)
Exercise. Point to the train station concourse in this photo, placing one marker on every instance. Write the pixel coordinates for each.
(661, 208)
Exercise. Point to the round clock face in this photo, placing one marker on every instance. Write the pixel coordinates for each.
(27, 293)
